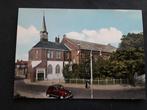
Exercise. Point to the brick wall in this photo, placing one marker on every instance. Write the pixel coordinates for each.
(69, 44)
(35, 54)
(77, 57)
(73, 50)
(41, 54)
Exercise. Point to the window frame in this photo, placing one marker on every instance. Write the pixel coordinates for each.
(57, 69)
(58, 55)
(50, 54)
(51, 69)
(36, 53)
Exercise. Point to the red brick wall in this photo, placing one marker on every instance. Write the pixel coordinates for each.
(30, 72)
(74, 49)
(33, 54)
(69, 44)
(42, 54)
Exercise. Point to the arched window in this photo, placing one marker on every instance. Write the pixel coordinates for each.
(57, 68)
(50, 69)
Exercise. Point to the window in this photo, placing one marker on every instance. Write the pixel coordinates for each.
(50, 54)
(57, 68)
(82, 55)
(66, 55)
(58, 55)
(36, 53)
(50, 69)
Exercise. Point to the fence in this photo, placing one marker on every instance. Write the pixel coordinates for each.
(98, 81)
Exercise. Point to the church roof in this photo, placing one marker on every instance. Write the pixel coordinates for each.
(91, 46)
(51, 45)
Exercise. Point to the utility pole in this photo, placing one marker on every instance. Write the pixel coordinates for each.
(91, 71)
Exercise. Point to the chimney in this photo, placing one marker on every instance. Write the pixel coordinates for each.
(57, 39)
(64, 35)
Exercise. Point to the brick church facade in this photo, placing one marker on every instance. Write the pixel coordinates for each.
(47, 59)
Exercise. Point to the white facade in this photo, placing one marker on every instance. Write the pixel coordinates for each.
(54, 75)
(55, 72)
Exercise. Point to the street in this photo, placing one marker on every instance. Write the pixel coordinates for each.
(38, 91)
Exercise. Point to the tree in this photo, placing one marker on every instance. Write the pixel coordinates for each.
(66, 72)
(129, 57)
(77, 71)
(127, 62)
(102, 68)
(132, 40)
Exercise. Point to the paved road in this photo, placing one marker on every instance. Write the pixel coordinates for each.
(38, 91)
(29, 90)
(108, 94)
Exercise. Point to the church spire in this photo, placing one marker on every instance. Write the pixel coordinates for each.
(43, 32)
(44, 24)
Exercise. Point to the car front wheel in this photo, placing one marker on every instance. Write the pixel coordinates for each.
(61, 97)
(47, 95)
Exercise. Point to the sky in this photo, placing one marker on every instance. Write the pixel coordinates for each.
(92, 25)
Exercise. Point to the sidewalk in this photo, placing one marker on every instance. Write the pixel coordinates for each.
(96, 87)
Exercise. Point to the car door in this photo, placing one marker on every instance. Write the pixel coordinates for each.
(56, 91)
(50, 90)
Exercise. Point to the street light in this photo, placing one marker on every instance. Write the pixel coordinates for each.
(78, 48)
(78, 53)
(91, 71)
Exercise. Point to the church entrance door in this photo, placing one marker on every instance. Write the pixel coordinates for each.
(40, 74)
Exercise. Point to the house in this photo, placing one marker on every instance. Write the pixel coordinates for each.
(21, 68)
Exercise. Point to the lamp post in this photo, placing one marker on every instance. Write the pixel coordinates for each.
(78, 53)
(91, 71)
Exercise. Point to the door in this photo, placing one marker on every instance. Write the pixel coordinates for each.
(40, 76)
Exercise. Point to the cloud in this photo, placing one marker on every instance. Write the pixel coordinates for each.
(104, 36)
(21, 56)
(26, 38)
(27, 35)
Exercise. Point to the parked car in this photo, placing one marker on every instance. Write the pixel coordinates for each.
(58, 91)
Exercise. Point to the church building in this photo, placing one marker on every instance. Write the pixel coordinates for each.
(47, 59)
